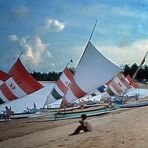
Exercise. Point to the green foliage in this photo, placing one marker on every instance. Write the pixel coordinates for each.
(51, 76)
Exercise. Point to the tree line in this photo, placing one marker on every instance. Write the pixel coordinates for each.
(141, 76)
(50, 76)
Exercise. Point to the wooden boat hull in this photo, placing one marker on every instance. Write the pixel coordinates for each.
(88, 113)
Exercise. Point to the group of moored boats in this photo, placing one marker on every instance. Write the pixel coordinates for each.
(75, 112)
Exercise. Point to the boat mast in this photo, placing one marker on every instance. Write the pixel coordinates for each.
(20, 55)
(142, 62)
(135, 74)
(71, 61)
(92, 31)
(88, 42)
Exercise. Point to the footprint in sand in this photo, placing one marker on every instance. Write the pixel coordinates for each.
(61, 145)
(66, 139)
(51, 141)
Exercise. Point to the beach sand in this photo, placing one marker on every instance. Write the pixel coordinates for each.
(127, 128)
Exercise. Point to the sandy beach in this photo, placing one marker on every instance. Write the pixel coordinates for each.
(127, 128)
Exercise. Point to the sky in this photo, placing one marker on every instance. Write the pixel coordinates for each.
(52, 32)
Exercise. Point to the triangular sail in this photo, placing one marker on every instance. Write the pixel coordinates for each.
(93, 70)
(117, 86)
(60, 88)
(20, 84)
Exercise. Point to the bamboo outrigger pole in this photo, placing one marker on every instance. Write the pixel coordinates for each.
(142, 62)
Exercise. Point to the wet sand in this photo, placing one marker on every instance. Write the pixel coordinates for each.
(122, 129)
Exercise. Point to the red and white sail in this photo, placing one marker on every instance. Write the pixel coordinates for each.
(61, 86)
(118, 85)
(3, 77)
(20, 84)
(93, 70)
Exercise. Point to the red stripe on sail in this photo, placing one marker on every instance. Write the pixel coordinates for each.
(22, 77)
(131, 82)
(123, 79)
(77, 91)
(129, 78)
(116, 87)
(68, 74)
(61, 86)
(7, 92)
(4, 76)
(134, 84)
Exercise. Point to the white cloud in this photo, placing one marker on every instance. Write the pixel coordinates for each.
(130, 54)
(54, 25)
(13, 37)
(36, 53)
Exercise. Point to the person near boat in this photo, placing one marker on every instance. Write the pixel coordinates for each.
(8, 113)
(84, 125)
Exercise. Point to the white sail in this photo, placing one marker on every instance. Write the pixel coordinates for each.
(93, 70)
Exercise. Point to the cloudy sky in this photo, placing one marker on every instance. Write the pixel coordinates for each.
(51, 32)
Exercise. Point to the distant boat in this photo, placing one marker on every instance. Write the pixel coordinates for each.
(135, 104)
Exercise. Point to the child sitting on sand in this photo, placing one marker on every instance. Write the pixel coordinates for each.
(84, 125)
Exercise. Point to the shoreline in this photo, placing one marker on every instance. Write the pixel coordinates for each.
(124, 128)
